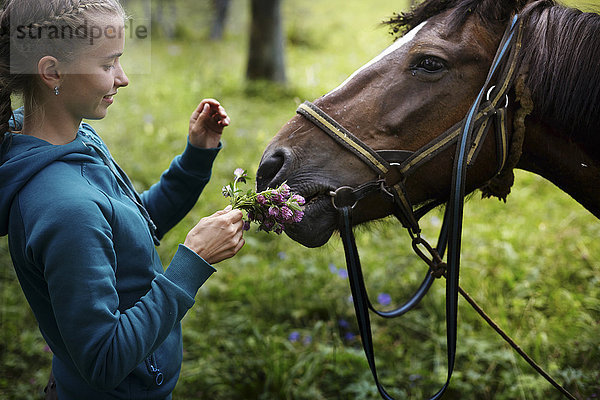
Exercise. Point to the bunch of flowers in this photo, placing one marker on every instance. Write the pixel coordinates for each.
(272, 209)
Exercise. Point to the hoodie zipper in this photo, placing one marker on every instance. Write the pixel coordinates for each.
(154, 370)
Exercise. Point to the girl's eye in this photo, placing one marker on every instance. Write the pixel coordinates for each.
(430, 65)
(109, 67)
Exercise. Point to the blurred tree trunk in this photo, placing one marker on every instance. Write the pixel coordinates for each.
(266, 53)
(220, 8)
(164, 17)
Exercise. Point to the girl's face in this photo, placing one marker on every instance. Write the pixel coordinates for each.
(95, 75)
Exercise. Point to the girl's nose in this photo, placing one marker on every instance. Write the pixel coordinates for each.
(121, 78)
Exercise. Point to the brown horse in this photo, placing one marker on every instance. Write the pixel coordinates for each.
(411, 128)
(425, 83)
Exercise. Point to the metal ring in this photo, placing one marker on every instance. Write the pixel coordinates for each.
(340, 191)
(487, 97)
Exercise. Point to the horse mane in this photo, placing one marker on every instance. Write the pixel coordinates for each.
(559, 54)
(560, 50)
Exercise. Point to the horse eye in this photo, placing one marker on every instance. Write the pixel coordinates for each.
(430, 64)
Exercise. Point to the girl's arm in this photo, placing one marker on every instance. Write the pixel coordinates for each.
(178, 190)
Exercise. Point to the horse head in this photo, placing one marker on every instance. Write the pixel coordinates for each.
(413, 92)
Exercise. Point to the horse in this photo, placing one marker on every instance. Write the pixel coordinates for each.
(425, 83)
(410, 130)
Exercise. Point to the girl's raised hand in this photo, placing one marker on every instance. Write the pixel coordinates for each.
(207, 123)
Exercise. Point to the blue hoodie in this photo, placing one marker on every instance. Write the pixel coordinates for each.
(82, 244)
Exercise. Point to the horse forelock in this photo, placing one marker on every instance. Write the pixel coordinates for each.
(560, 52)
(492, 13)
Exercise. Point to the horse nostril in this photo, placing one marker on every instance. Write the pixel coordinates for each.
(272, 168)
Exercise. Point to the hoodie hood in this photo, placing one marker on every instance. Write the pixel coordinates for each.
(23, 156)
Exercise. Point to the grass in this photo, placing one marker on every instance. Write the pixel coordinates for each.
(275, 322)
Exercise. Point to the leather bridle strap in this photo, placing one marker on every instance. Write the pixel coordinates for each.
(360, 297)
(507, 52)
(344, 138)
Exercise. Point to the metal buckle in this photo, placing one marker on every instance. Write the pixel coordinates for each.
(384, 189)
(487, 97)
(435, 262)
(345, 195)
(394, 175)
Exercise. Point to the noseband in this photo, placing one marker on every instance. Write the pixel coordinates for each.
(392, 167)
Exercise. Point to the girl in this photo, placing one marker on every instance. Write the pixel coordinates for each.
(80, 237)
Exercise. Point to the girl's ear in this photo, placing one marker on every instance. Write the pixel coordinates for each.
(49, 71)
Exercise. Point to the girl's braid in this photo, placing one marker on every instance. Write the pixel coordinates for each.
(6, 84)
(70, 11)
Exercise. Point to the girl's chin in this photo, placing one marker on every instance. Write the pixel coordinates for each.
(99, 113)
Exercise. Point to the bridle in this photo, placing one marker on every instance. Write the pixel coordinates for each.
(394, 166)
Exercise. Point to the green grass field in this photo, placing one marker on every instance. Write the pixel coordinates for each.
(275, 322)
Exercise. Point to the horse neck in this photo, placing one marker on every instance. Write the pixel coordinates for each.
(565, 163)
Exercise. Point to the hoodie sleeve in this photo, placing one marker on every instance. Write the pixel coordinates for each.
(169, 200)
(68, 238)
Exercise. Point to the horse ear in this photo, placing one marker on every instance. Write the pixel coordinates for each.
(497, 10)
(515, 6)
(501, 11)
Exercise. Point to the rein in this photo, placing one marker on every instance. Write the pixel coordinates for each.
(394, 166)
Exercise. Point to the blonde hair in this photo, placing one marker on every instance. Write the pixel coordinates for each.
(18, 60)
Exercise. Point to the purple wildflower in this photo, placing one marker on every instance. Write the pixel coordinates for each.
(273, 211)
(342, 273)
(284, 190)
(277, 198)
(298, 199)
(332, 268)
(286, 214)
(384, 299)
(298, 215)
(260, 199)
(246, 226)
(226, 191)
(294, 336)
(240, 175)
(267, 224)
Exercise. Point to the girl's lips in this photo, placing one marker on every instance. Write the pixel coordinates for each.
(108, 99)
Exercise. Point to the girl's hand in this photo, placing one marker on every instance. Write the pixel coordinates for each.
(217, 237)
(207, 123)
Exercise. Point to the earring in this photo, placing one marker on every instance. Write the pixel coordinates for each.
(56, 92)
